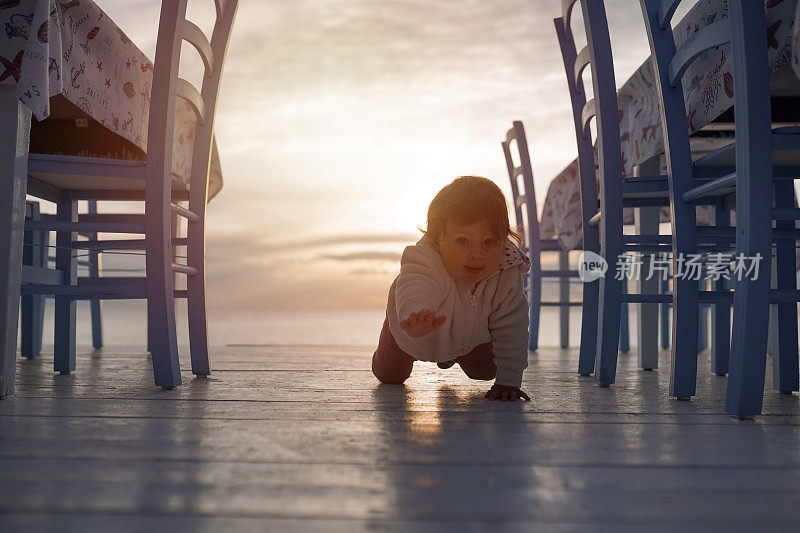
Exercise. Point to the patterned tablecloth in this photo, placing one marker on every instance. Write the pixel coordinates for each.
(708, 90)
(72, 48)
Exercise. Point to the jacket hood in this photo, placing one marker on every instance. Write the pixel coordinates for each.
(513, 256)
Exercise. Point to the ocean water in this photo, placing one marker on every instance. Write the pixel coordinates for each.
(124, 324)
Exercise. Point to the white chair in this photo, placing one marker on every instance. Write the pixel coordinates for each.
(65, 180)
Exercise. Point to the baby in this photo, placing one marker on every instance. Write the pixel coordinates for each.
(459, 297)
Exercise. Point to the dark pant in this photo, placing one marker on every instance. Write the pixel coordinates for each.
(390, 364)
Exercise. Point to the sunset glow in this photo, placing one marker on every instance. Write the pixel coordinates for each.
(339, 121)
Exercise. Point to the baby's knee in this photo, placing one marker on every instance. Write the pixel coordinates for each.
(391, 380)
(390, 376)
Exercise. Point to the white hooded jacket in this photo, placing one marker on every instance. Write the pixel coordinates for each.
(495, 311)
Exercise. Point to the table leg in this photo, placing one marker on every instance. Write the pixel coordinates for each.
(15, 123)
(646, 220)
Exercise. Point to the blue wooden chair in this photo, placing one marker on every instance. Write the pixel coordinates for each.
(743, 167)
(526, 212)
(602, 225)
(65, 180)
(527, 216)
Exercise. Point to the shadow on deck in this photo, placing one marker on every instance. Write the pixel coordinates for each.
(300, 438)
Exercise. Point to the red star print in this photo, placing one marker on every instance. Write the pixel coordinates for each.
(128, 64)
(100, 66)
(108, 82)
(12, 67)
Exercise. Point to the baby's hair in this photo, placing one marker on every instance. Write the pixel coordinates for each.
(468, 200)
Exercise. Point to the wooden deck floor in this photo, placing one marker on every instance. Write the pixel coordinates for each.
(303, 438)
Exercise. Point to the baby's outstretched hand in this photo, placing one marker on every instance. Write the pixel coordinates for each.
(506, 393)
(422, 323)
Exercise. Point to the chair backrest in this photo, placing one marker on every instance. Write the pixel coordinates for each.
(745, 29)
(173, 29)
(522, 191)
(603, 107)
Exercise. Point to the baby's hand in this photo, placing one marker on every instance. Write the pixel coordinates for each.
(506, 393)
(422, 323)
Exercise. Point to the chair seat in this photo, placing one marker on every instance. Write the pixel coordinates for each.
(90, 173)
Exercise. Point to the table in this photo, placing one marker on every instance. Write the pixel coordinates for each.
(69, 65)
(708, 91)
(87, 84)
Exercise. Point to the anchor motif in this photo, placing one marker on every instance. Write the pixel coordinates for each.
(75, 74)
(128, 122)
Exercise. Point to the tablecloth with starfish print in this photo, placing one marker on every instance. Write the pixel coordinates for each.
(87, 84)
(708, 92)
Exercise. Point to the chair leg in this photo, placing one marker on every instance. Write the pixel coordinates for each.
(753, 220)
(685, 303)
(611, 289)
(535, 293)
(95, 306)
(31, 305)
(624, 324)
(38, 316)
(196, 298)
(65, 306)
(608, 330)
(563, 297)
(683, 357)
(15, 121)
(664, 311)
(750, 309)
(590, 320)
(160, 293)
(702, 329)
(721, 313)
(785, 358)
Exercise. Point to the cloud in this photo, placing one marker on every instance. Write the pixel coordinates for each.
(363, 256)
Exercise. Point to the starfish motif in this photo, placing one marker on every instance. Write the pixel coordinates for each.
(108, 82)
(100, 66)
(128, 64)
(12, 67)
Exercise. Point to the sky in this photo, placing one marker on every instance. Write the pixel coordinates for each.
(339, 120)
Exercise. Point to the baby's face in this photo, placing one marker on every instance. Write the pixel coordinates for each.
(470, 253)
